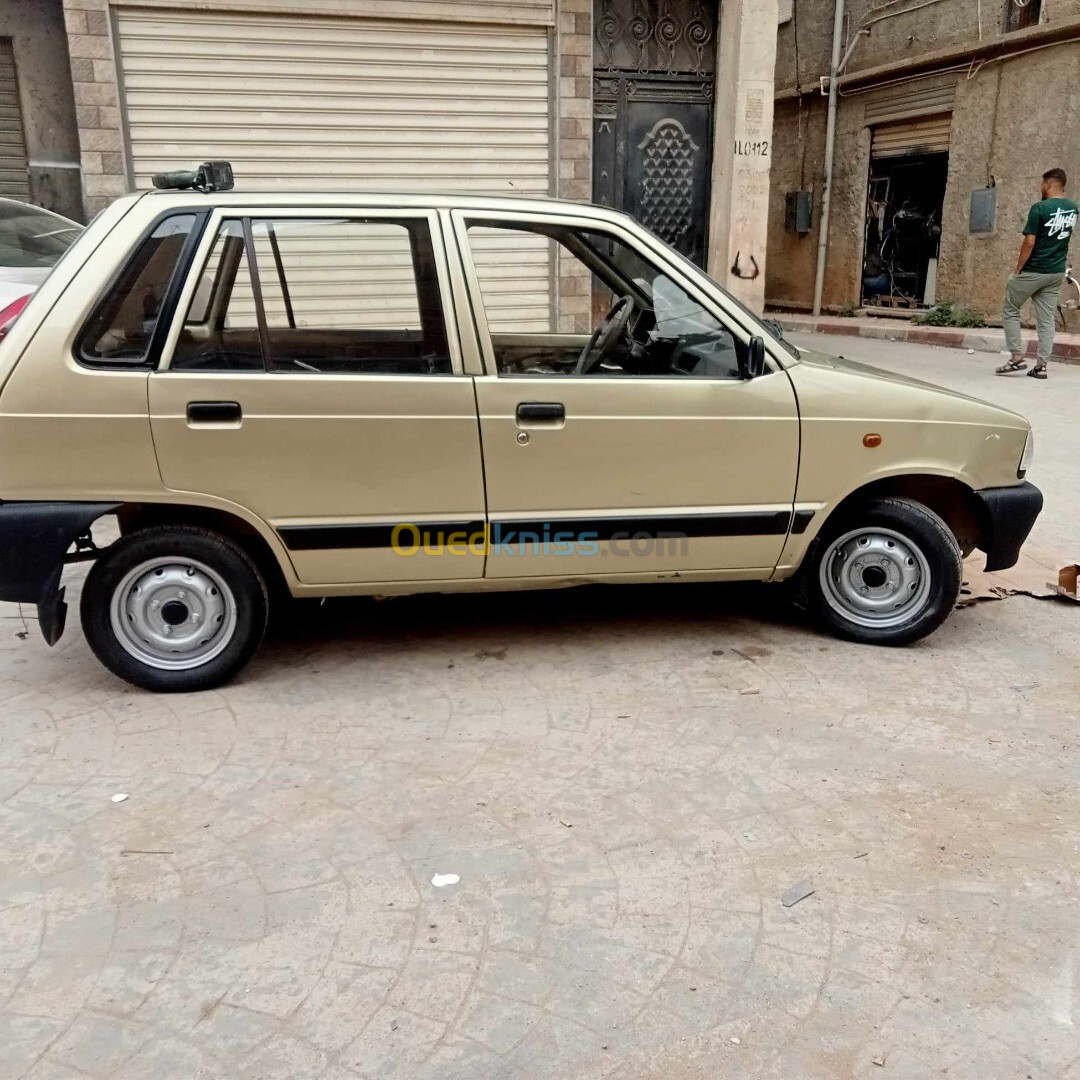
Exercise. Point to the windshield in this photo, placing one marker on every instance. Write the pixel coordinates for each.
(772, 329)
(30, 237)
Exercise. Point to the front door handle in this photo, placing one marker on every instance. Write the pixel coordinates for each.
(550, 411)
(214, 412)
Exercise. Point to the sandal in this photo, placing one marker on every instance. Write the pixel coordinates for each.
(1037, 372)
(1011, 368)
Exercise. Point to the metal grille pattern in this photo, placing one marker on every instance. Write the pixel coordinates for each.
(655, 35)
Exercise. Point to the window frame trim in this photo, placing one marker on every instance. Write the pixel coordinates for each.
(169, 304)
(271, 211)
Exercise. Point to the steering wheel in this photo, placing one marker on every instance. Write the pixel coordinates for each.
(605, 336)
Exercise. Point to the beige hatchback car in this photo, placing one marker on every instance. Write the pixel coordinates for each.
(327, 395)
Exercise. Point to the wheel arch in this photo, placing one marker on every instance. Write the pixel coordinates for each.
(133, 517)
(951, 499)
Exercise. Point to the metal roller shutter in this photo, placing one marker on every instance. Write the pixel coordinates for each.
(927, 136)
(14, 179)
(345, 105)
(912, 100)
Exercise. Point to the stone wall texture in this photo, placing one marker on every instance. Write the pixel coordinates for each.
(1013, 119)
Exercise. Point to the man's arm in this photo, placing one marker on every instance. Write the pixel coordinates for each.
(1026, 246)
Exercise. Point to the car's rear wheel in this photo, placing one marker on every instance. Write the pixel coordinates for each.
(174, 608)
(887, 573)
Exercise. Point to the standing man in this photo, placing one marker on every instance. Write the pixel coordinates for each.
(1040, 270)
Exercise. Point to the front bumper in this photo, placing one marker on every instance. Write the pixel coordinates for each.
(1010, 514)
(34, 537)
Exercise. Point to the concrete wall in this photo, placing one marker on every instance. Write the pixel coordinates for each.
(1013, 122)
(36, 28)
(903, 36)
(1013, 119)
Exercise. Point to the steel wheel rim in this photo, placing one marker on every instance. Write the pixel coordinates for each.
(173, 614)
(875, 578)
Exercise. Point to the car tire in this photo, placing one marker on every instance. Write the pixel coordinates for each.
(886, 573)
(174, 608)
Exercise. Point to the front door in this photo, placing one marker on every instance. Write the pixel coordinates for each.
(629, 445)
(313, 383)
(653, 84)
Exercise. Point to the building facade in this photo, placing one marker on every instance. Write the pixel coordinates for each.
(641, 104)
(39, 147)
(949, 113)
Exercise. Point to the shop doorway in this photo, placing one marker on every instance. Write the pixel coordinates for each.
(904, 201)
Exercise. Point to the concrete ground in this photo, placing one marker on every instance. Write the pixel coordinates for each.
(624, 782)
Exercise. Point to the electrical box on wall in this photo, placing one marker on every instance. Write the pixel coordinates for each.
(983, 210)
(798, 211)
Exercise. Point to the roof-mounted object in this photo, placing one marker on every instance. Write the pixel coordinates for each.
(210, 176)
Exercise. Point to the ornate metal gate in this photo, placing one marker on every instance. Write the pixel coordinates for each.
(654, 72)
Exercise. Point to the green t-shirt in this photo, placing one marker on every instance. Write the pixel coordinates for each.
(1052, 222)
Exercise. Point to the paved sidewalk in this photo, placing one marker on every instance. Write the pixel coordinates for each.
(622, 784)
(986, 339)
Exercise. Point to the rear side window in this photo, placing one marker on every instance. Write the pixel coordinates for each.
(325, 295)
(121, 329)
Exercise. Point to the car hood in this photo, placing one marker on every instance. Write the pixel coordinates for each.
(890, 394)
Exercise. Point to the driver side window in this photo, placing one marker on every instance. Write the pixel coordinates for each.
(566, 301)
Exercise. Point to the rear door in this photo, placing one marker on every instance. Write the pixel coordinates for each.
(312, 378)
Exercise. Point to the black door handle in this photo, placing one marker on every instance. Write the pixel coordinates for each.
(541, 410)
(214, 412)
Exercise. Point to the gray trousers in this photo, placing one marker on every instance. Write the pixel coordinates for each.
(1042, 290)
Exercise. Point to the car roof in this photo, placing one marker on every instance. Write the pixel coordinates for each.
(403, 200)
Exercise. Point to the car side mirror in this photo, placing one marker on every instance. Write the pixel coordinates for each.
(752, 362)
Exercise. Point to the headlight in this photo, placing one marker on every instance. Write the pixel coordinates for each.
(1027, 458)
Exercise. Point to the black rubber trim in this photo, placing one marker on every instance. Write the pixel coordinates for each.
(332, 537)
(1010, 514)
(800, 521)
(337, 537)
(33, 539)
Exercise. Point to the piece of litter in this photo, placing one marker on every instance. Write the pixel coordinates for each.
(879, 1060)
(393, 1025)
(119, 797)
(749, 692)
(790, 897)
(971, 352)
(862, 854)
(736, 1040)
(441, 880)
(566, 823)
(623, 716)
(965, 855)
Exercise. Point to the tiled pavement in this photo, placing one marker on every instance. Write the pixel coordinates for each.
(624, 781)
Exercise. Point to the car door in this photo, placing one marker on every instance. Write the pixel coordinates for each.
(312, 378)
(662, 458)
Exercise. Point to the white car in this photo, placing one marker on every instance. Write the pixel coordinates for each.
(31, 243)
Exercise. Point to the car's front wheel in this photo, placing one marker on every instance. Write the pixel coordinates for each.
(888, 573)
(174, 608)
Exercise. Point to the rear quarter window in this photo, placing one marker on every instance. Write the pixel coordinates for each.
(122, 328)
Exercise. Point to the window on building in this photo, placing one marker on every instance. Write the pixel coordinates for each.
(1021, 13)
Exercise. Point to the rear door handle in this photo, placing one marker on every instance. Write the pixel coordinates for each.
(214, 412)
(550, 411)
